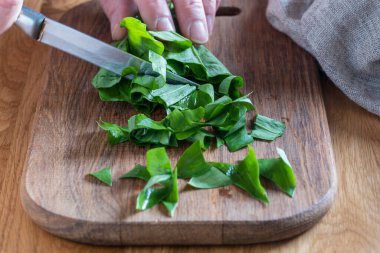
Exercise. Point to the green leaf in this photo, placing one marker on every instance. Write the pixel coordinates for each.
(138, 171)
(231, 86)
(203, 137)
(246, 176)
(238, 139)
(158, 63)
(213, 178)
(267, 129)
(185, 123)
(103, 175)
(192, 163)
(280, 172)
(105, 79)
(171, 94)
(145, 131)
(172, 40)
(140, 41)
(171, 201)
(157, 162)
(118, 92)
(215, 69)
(151, 196)
(187, 61)
(115, 133)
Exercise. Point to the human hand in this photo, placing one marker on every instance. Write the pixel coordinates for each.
(9, 10)
(195, 17)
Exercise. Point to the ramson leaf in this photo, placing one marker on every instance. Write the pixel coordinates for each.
(172, 41)
(103, 175)
(213, 178)
(192, 163)
(157, 162)
(138, 171)
(151, 196)
(171, 201)
(267, 129)
(140, 41)
(280, 172)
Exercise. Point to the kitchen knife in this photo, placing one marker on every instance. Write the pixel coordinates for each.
(85, 47)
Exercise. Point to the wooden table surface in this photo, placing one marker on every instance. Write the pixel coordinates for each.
(352, 225)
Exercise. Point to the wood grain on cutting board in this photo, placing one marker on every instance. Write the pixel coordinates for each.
(66, 145)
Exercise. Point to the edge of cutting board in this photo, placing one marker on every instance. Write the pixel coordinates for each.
(152, 233)
(249, 233)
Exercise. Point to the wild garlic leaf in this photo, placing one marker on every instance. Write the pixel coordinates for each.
(238, 139)
(204, 137)
(185, 123)
(158, 63)
(115, 133)
(215, 70)
(150, 195)
(171, 94)
(140, 41)
(172, 40)
(192, 163)
(171, 201)
(246, 176)
(138, 171)
(280, 172)
(188, 62)
(267, 129)
(116, 93)
(103, 175)
(157, 162)
(213, 178)
(231, 86)
(105, 79)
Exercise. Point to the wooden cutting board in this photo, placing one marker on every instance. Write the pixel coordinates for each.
(67, 144)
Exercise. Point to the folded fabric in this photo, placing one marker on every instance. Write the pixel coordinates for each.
(344, 37)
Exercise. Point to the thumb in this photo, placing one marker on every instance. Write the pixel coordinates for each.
(116, 10)
(9, 10)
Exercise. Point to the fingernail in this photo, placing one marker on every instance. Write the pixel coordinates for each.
(116, 32)
(164, 24)
(198, 32)
(210, 23)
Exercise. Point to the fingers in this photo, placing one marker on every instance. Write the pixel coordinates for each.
(210, 7)
(9, 10)
(116, 10)
(156, 14)
(192, 19)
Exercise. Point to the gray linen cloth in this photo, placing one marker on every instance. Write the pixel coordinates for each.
(343, 35)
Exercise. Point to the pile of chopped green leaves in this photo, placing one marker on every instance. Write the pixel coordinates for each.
(214, 111)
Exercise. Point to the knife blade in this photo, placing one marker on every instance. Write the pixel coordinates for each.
(85, 47)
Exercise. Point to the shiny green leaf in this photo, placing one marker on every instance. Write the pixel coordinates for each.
(103, 175)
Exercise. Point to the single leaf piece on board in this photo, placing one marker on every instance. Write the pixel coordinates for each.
(151, 196)
(213, 178)
(192, 163)
(103, 175)
(157, 162)
(279, 171)
(171, 201)
(266, 128)
(246, 175)
(138, 171)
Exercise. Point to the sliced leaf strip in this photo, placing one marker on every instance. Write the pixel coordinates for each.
(103, 175)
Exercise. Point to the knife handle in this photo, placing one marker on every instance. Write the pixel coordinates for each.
(31, 22)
